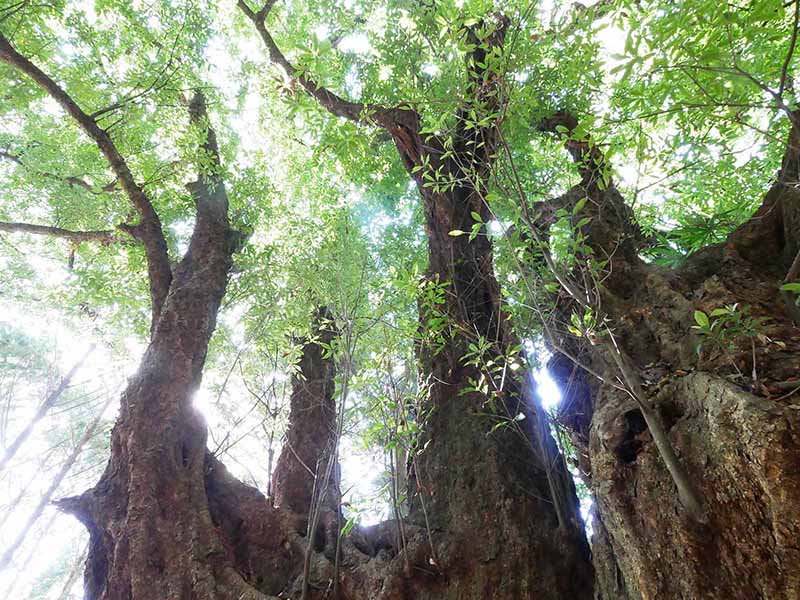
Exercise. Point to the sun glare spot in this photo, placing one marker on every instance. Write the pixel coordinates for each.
(430, 69)
(355, 43)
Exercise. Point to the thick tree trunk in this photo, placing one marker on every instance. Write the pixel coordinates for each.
(734, 424)
(494, 512)
(312, 426)
(166, 519)
(151, 530)
(487, 495)
(306, 477)
(499, 504)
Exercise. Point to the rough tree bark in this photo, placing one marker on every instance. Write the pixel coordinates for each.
(306, 476)
(312, 422)
(736, 434)
(166, 520)
(152, 535)
(497, 511)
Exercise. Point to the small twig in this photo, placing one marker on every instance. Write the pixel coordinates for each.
(790, 393)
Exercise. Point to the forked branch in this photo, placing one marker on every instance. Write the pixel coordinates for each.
(148, 230)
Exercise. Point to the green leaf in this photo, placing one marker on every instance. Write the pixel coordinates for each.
(579, 205)
(457, 232)
(701, 319)
(348, 526)
(574, 331)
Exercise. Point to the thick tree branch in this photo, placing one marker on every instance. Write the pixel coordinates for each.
(149, 229)
(212, 237)
(478, 119)
(208, 191)
(770, 232)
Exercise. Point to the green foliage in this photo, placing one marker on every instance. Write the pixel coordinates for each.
(793, 288)
(676, 97)
(21, 354)
(726, 327)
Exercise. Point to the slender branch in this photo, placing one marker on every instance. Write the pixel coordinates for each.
(334, 104)
(790, 52)
(42, 410)
(8, 555)
(149, 229)
(161, 79)
(69, 180)
(687, 492)
(737, 71)
(104, 236)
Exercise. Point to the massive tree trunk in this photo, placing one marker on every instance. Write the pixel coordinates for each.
(493, 511)
(730, 414)
(501, 504)
(151, 531)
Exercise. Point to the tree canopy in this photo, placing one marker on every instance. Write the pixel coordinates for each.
(684, 106)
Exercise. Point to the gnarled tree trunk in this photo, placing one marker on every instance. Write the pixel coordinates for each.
(730, 415)
(152, 535)
(502, 529)
(495, 512)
